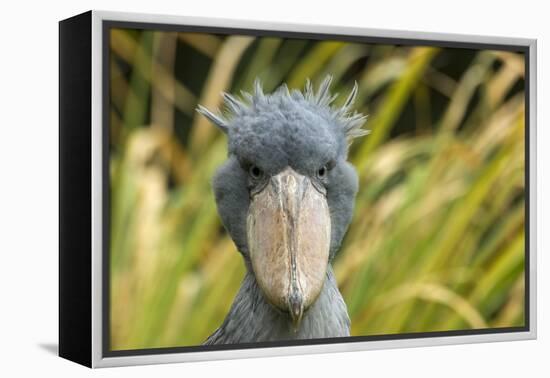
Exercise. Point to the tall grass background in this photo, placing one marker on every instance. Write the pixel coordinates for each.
(437, 238)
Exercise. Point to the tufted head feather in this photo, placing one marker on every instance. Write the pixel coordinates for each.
(349, 122)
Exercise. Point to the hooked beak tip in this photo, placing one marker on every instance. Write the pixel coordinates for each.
(296, 308)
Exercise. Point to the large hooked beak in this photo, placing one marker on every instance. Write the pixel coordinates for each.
(288, 229)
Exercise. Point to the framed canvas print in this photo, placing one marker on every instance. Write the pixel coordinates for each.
(232, 189)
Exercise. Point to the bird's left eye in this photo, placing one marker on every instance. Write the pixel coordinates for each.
(322, 172)
(255, 172)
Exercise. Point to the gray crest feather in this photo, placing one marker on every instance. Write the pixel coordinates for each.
(323, 97)
(283, 90)
(308, 91)
(247, 96)
(234, 105)
(351, 97)
(258, 90)
(350, 123)
(353, 127)
(217, 120)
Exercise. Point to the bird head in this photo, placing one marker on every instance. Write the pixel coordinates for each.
(286, 192)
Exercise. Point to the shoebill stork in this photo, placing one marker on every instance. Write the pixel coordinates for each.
(286, 196)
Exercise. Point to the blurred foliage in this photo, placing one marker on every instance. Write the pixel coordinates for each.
(437, 239)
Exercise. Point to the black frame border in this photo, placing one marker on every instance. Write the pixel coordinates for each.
(107, 25)
(75, 193)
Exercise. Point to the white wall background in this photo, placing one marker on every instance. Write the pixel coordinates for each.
(29, 174)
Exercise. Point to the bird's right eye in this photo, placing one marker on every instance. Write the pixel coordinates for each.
(255, 172)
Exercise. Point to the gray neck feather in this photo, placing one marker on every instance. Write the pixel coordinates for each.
(252, 319)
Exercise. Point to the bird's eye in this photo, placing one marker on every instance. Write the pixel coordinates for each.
(322, 172)
(255, 172)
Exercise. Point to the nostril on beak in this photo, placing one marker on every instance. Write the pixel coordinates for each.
(296, 308)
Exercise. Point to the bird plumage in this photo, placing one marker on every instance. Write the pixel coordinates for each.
(303, 131)
(252, 319)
